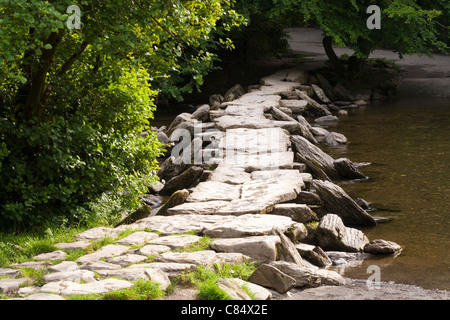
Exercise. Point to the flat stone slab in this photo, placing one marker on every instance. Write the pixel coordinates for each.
(9, 273)
(176, 241)
(98, 233)
(99, 265)
(64, 266)
(297, 212)
(108, 251)
(248, 225)
(207, 207)
(36, 265)
(214, 191)
(52, 256)
(73, 246)
(71, 288)
(42, 296)
(251, 122)
(230, 175)
(11, 285)
(172, 269)
(206, 257)
(152, 249)
(138, 238)
(259, 248)
(128, 259)
(258, 292)
(254, 162)
(73, 275)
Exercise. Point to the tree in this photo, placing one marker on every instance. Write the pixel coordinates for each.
(74, 101)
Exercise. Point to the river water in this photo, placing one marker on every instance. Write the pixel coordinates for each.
(408, 146)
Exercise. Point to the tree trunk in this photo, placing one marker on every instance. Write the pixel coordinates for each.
(34, 106)
(327, 45)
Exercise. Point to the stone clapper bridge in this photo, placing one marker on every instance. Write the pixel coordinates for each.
(256, 204)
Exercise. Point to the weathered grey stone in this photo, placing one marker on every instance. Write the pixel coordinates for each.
(296, 232)
(73, 246)
(43, 296)
(8, 273)
(330, 278)
(335, 139)
(286, 249)
(71, 288)
(259, 248)
(182, 181)
(36, 265)
(158, 276)
(297, 212)
(308, 198)
(152, 249)
(206, 257)
(142, 212)
(10, 286)
(171, 269)
(99, 265)
(337, 201)
(234, 93)
(263, 161)
(98, 233)
(199, 208)
(382, 247)
(318, 131)
(230, 175)
(127, 259)
(232, 289)
(295, 75)
(280, 115)
(320, 94)
(202, 113)
(314, 108)
(232, 257)
(296, 106)
(108, 251)
(214, 191)
(247, 225)
(176, 241)
(313, 254)
(258, 292)
(52, 256)
(332, 234)
(232, 122)
(347, 169)
(269, 276)
(64, 266)
(137, 238)
(73, 275)
(341, 93)
(304, 276)
(171, 167)
(328, 118)
(177, 198)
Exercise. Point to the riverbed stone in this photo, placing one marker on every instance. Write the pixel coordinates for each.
(36, 265)
(337, 201)
(99, 265)
(171, 269)
(182, 181)
(286, 249)
(9, 273)
(271, 277)
(296, 106)
(320, 94)
(177, 198)
(230, 175)
(128, 259)
(98, 233)
(64, 266)
(336, 139)
(330, 278)
(304, 276)
(259, 248)
(10, 286)
(297, 212)
(176, 241)
(313, 108)
(348, 169)
(332, 234)
(380, 246)
(314, 254)
(198, 208)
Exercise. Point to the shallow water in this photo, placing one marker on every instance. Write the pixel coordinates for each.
(408, 146)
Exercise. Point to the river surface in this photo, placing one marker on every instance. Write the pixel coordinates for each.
(408, 146)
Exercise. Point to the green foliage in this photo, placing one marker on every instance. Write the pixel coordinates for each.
(73, 102)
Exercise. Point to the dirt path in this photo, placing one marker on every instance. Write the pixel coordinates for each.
(423, 76)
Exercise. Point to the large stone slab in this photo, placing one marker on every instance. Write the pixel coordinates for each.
(230, 175)
(51, 256)
(297, 212)
(71, 288)
(263, 161)
(247, 225)
(172, 269)
(73, 246)
(214, 191)
(258, 292)
(304, 276)
(206, 257)
(259, 248)
(73, 275)
(176, 241)
(271, 277)
(98, 233)
(108, 251)
(138, 238)
(251, 122)
(207, 207)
